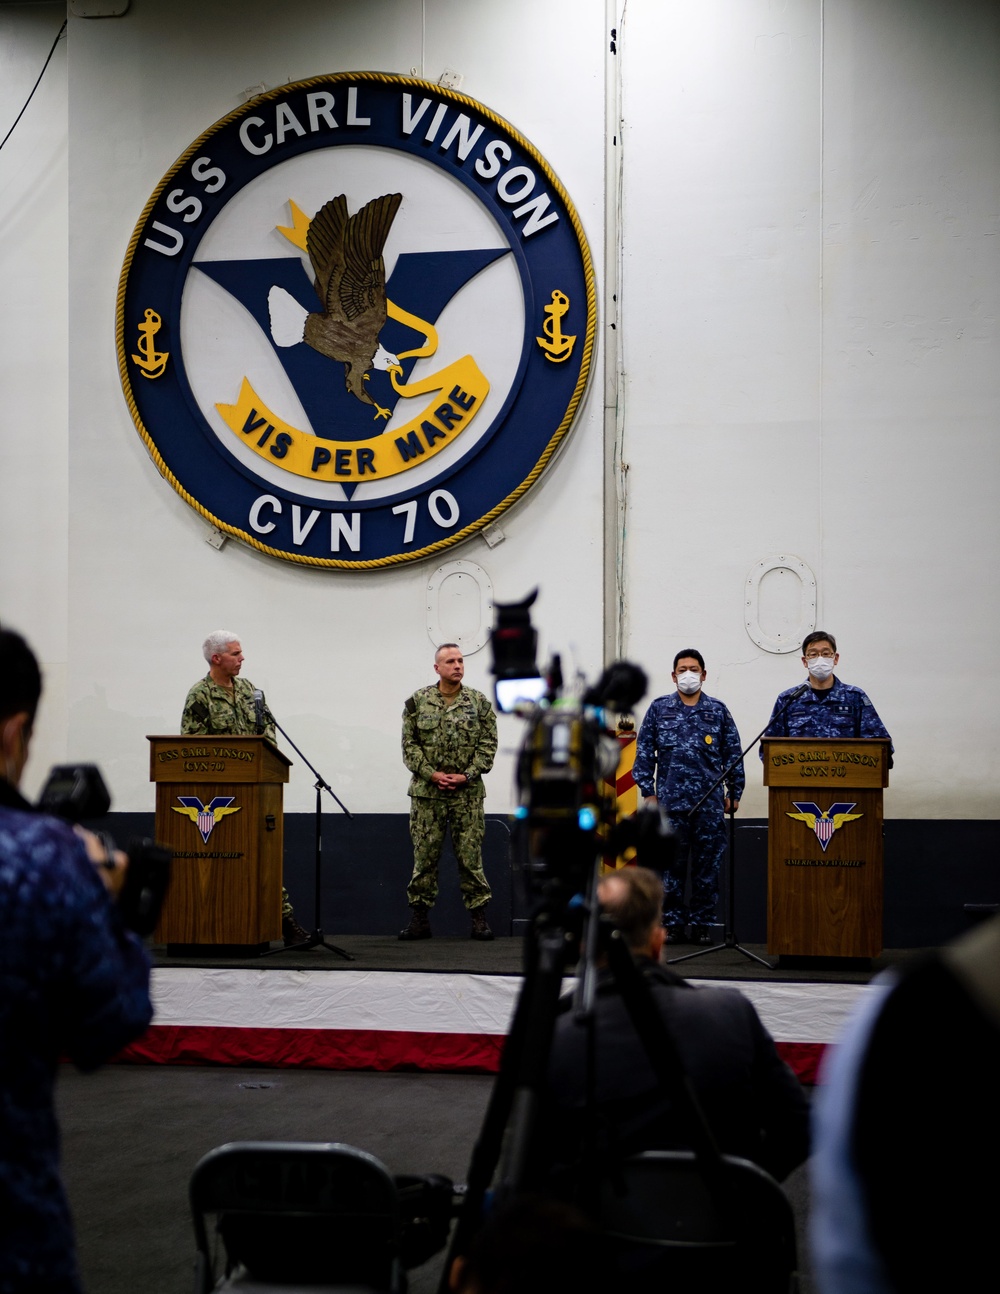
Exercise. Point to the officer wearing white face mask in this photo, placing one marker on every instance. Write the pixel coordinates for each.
(686, 741)
(827, 708)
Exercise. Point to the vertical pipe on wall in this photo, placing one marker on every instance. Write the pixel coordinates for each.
(615, 468)
(820, 545)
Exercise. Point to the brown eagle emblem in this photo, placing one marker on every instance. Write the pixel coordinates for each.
(346, 256)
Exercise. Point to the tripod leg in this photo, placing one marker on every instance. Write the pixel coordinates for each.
(730, 940)
(523, 1066)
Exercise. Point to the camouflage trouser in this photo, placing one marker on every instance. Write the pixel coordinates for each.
(705, 839)
(428, 820)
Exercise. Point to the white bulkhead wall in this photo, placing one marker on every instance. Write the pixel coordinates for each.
(807, 317)
(34, 271)
(810, 230)
(336, 653)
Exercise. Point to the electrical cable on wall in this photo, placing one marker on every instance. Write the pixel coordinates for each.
(58, 38)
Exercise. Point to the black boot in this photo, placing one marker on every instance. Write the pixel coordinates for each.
(291, 931)
(480, 926)
(420, 926)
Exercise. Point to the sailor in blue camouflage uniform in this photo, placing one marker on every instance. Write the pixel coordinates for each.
(685, 742)
(449, 742)
(827, 708)
(73, 982)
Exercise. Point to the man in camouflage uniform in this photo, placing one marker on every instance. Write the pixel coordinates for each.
(828, 708)
(685, 741)
(221, 705)
(449, 741)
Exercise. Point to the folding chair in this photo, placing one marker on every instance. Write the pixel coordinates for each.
(730, 1228)
(292, 1214)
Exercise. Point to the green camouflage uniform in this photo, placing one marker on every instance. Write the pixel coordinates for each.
(448, 735)
(213, 711)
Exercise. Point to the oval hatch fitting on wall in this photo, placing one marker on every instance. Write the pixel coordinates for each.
(780, 605)
(460, 606)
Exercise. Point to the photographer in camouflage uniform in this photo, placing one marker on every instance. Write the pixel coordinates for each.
(221, 705)
(449, 741)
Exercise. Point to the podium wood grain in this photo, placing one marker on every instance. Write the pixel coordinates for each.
(825, 902)
(226, 890)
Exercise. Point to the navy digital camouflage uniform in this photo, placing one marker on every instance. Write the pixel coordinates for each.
(686, 747)
(73, 982)
(837, 711)
(214, 711)
(448, 735)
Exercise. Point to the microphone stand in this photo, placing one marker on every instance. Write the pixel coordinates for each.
(729, 927)
(316, 939)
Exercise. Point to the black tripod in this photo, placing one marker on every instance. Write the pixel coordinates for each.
(510, 1127)
(729, 929)
(316, 938)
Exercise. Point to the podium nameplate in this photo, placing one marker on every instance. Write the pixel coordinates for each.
(227, 759)
(852, 761)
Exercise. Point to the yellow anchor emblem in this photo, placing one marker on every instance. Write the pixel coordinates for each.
(152, 362)
(559, 345)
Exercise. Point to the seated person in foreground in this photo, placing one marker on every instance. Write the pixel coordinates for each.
(751, 1099)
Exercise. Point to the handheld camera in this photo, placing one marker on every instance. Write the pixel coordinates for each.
(77, 793)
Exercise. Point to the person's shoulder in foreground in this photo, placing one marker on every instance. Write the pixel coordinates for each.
(906, 1128)
(75, 983)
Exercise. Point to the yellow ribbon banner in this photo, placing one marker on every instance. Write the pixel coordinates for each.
(460, 390)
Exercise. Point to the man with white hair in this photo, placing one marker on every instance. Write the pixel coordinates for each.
(221, 705)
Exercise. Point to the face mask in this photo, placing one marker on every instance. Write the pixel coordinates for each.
(820, 667)
(688, 682)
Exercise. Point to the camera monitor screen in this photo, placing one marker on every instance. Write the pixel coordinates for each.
(511, 691)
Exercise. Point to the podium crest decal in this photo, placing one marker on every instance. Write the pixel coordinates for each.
(206, 817)
(356, 320)
(824, 822)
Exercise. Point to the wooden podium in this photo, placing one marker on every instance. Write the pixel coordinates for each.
(824, 853)
(218, 807)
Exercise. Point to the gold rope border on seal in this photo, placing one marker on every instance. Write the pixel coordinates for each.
(405, 82)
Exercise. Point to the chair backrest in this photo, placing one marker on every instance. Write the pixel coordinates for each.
(298, 1213)
(666, 1222)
